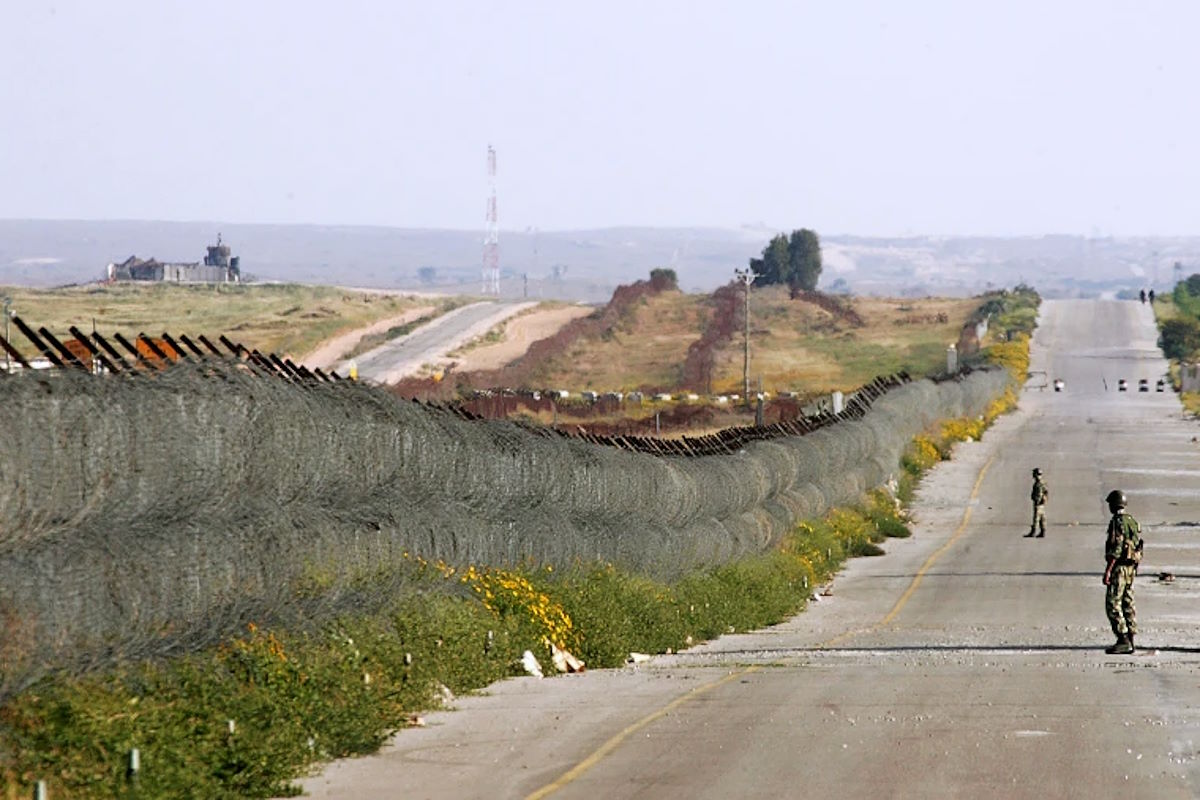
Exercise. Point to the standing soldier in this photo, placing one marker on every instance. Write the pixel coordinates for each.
(1038, 495)
(1123, 551)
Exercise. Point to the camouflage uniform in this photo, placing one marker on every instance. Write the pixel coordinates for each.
(1124, 539)
(1038, 495)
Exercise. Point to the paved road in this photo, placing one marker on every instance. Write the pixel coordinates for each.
(397, 358)
(968, 662)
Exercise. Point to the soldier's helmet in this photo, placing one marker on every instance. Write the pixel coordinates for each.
(1036, 472)
(1115, 499)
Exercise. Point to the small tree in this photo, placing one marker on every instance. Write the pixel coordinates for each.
(804, 258)
(664, 279)
(1180, 337)
(775, 264)
(1185, 301)
(793, 260)
(427, 274)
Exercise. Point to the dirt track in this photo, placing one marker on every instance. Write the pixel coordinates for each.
(331, 351)
(519, 333)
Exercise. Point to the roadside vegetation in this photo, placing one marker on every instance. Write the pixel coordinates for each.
(1013, 317)
(1012, 311)
(288, 319)
(1178, 316)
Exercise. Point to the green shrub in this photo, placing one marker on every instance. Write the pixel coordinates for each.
(294, 700)
(884, 512)
(1180, 337)
(618, 613)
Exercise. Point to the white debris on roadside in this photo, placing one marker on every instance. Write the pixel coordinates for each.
(564, 661)
(530, 663)
(637, 658)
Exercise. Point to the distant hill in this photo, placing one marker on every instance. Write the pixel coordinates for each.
(587, 264)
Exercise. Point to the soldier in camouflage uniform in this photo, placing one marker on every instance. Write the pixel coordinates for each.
(1123, 552)
(1038, 495)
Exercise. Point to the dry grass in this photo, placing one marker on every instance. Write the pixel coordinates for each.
(1191, 402)
(1165, 308)
(801, 347)
(288, 319)
(646, 349)
(794, 345)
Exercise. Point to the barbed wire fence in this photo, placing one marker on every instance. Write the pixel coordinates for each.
(148, 517)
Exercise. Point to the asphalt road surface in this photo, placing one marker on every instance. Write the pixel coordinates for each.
(399, 357)
(968, 662)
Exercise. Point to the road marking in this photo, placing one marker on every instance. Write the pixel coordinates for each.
(612, 744)
(934, 556)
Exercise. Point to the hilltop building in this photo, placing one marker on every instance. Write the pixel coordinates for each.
(220, 266)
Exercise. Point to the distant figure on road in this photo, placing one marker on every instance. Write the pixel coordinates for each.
(1038, 495)
(1143, 295)
(1123, 552)
(1151, 296)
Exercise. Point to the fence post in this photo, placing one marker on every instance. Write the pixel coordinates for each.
(135, 765)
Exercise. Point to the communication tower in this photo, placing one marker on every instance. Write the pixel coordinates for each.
(491, 242)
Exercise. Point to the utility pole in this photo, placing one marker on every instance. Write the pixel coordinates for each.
(491, 242)
(746, 277)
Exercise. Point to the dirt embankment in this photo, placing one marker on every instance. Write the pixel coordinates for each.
(837, 306)
(727, 312)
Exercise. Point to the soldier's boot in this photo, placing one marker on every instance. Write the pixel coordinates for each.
(1132, 647)
(1122, 646)
(1029, 534)
(1041, 533)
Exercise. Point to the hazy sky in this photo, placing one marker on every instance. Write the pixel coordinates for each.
(847, 117)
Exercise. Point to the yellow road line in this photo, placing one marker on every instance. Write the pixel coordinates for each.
(615, 741)
(916, 581)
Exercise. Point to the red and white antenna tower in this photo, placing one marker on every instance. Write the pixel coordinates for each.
(491, 242)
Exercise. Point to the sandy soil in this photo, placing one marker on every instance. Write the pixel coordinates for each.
(519, 334)
(332, 350)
